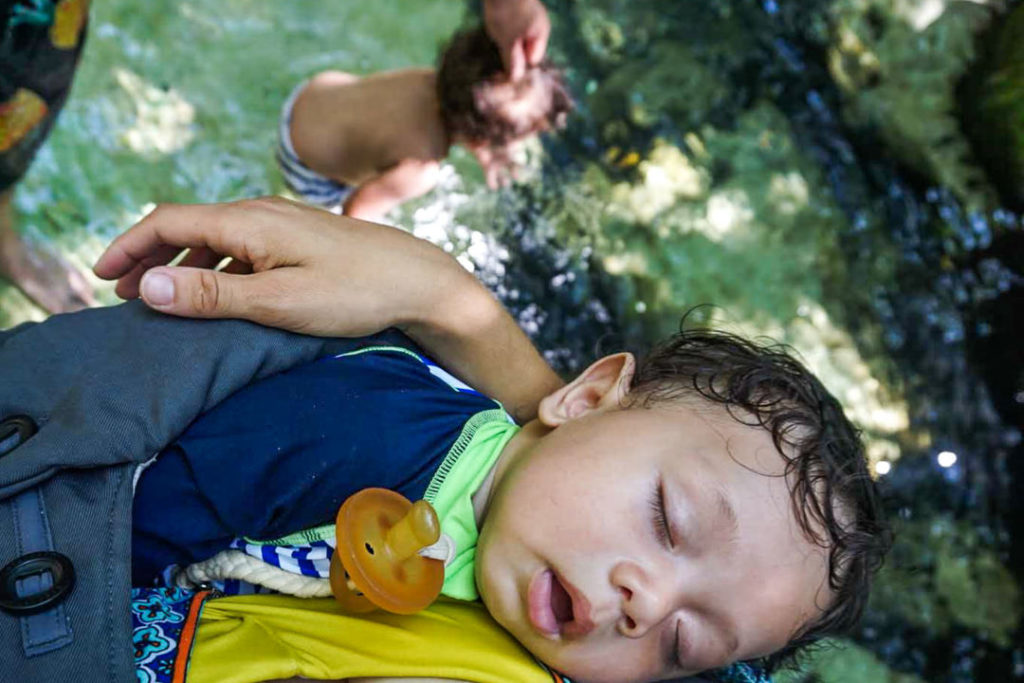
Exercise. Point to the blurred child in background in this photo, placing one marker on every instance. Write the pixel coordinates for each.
(367, 144)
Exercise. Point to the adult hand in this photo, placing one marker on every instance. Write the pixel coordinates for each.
(521, 29)
(294, 267)
(309, 271)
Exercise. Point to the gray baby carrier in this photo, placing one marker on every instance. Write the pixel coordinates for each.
(85, 399)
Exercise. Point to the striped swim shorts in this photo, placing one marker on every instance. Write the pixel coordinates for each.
(311, 186)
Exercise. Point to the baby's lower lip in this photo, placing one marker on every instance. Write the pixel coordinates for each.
(538, 601)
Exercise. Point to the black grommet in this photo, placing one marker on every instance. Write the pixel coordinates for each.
(15, 431)
(57, 565)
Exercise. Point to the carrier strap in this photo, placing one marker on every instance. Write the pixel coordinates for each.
(48, 630)
(33, 586)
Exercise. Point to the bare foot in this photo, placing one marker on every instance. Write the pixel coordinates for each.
(45, 277)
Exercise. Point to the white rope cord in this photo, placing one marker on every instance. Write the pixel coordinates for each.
(234, 564)
(443, 550)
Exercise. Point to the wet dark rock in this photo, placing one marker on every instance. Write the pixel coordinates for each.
(992, 99)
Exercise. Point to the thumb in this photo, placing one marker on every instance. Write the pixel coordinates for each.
(195, 292)
(515, 60)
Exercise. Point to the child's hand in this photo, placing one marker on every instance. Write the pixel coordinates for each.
(521, 29)
(499, 165)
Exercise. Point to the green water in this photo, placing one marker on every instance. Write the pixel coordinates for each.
(179, 102)
(800, 165)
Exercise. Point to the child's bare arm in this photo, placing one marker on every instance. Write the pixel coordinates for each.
(497, 163)
(407, 179)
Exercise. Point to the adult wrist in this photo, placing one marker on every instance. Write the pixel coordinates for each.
(457, 306)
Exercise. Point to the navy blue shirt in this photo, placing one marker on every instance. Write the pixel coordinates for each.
(282, 454)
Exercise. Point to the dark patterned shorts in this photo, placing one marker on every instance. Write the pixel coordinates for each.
(40, 43)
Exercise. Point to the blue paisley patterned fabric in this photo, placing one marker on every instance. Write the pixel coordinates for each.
(159, 619)
(740, 672)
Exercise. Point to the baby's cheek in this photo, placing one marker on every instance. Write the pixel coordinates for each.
(598, 663)
(494, 576)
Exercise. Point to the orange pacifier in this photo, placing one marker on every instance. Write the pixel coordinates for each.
(377, 562)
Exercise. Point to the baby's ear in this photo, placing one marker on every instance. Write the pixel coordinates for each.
(602, 386)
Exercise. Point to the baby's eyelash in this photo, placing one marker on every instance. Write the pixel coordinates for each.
(676, 659)
(657, 506)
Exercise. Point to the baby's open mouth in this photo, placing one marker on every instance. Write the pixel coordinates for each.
(553, 611)
(561, 603)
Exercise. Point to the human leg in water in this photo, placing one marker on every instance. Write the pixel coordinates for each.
(42, 274)
(40, 45)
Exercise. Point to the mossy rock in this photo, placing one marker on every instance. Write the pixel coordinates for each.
(993, 104)
(603, 37)
(943, 573)
(898, 72)
(980, 593)
(842, 661)
(671, 82)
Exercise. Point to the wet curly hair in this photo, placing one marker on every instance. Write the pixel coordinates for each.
(833, 496)
(471, 62)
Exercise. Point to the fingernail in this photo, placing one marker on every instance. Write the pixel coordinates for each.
(157, 289)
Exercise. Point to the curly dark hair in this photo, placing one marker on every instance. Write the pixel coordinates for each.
(834, 498)
(468, 65)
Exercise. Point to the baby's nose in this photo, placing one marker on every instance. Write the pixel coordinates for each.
(645, 602)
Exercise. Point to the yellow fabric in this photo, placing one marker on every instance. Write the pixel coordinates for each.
(243, 639)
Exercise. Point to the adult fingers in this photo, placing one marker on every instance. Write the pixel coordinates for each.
(204, 293)
(127, 286)
(237, 267)
(201, 257)
(233, 230)
(128, 282)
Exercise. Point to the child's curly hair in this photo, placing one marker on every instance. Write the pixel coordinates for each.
(833, 496)
(469, 66)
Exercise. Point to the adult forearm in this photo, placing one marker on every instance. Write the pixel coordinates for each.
(331, 276)
(472, 335)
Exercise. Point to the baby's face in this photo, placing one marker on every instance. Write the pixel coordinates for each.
(641, 544)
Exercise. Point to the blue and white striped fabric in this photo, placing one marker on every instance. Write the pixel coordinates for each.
(312, 559)
(311, 186)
